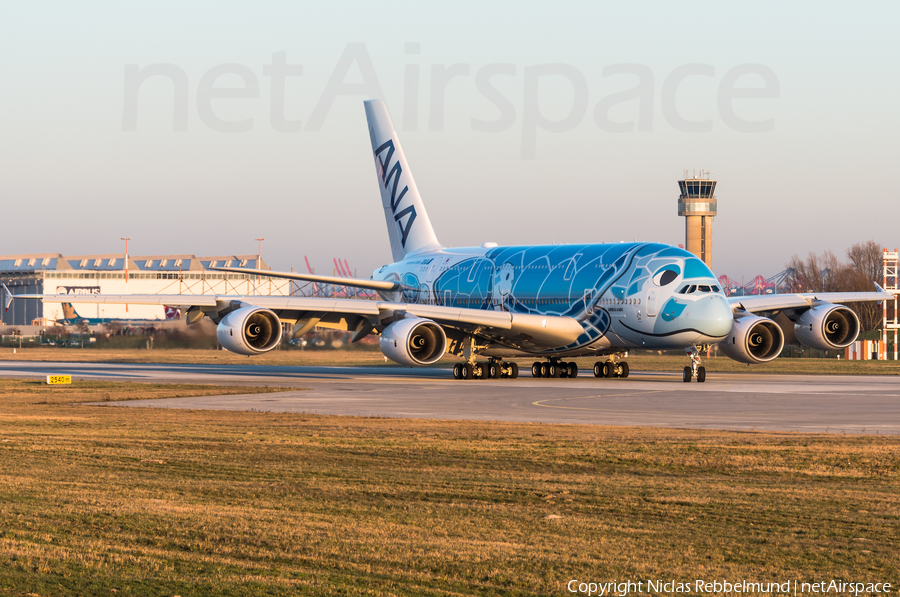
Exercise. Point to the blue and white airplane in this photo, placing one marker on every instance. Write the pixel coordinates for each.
(487, 304)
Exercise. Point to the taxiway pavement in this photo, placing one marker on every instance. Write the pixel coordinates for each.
(803, 403)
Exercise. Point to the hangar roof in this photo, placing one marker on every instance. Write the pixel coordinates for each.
(116, 262)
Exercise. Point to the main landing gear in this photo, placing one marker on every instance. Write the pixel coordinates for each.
(492, 369)
(611, 368)
(696, 369)
(554, 368)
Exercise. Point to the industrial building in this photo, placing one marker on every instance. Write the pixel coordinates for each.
(53, 273)
(697, 204)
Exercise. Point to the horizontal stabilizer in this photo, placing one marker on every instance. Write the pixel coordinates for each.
(354, 282)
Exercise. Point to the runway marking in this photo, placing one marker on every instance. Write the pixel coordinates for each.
(540, 402)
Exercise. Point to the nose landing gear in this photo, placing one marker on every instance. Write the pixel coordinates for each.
(695, 369)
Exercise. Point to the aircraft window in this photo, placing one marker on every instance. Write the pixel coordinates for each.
(703, 288)
(716, 289)
(692, 289)
(684, 290)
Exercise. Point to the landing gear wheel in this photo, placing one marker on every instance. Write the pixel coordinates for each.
(609, 370)
(457, 371)
(598, 369)
(536, 370)
(553, 370)
(493, 370)
(696, 369)
(573, 370)
(466, 371)
(545, 370)
(513, 370)
(624, 372)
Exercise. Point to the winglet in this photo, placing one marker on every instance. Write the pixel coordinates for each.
(888, 295)
(8, 301)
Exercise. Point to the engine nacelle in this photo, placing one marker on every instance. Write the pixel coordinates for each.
(413, 341)
(753, 340)
(827, 326)
(249, 331)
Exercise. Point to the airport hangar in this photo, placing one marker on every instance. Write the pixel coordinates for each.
(53, 273)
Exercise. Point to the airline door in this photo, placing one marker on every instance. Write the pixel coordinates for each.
(651, 303)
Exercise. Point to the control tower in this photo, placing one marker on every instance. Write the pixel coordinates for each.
(697, 203)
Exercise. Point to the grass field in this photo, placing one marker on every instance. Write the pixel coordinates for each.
(637, 362)
(121, 501)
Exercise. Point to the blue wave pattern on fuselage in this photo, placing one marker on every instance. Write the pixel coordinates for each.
(467, 284)
(584, 282)
(564, 280)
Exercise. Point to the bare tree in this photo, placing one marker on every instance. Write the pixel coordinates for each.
(835, 275)
(866, 260)
(866, 266)
(808, 273)
(825, 273)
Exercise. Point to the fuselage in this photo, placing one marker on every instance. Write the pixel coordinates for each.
(624, 295)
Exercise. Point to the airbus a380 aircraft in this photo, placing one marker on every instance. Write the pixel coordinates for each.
(489, 303)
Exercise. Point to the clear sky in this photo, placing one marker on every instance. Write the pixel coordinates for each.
(87, 157)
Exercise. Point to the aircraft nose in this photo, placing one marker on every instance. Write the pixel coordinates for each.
(714, 317)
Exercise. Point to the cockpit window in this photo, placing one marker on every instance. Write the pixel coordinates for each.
(692, 288)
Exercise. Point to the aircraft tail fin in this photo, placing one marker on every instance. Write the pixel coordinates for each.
(69, 312)
(8, 298)
(408, 225)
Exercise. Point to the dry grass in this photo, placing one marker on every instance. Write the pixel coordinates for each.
(197, 356)
(160, 502)
(371, 357)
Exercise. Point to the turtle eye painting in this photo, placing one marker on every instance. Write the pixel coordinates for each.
(666, 275)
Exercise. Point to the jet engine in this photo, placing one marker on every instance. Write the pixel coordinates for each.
(413, 341)
(827, 326)
(249, 331)
(753, 340)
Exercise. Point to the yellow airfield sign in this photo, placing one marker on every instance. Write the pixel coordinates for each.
(59, 379)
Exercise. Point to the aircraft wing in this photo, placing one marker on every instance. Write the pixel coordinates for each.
(354, 282)
(545, 330)
(776, 302)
